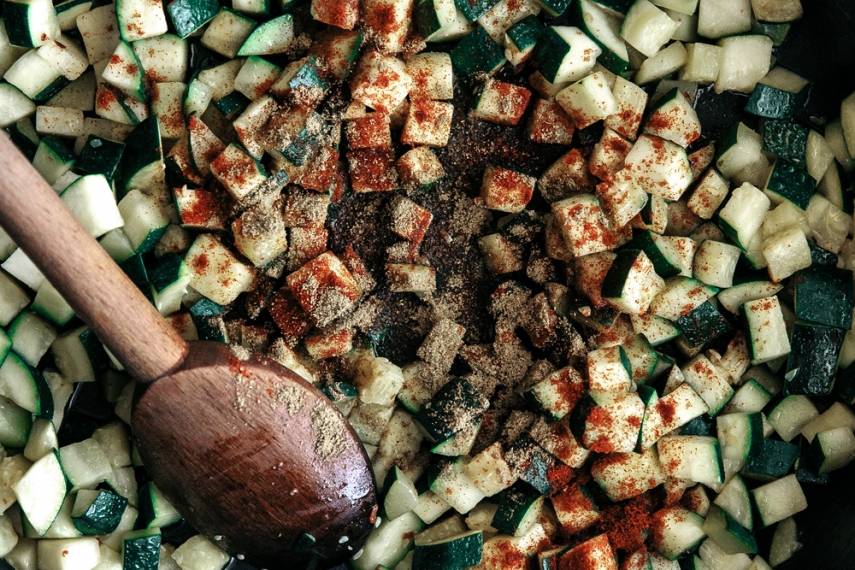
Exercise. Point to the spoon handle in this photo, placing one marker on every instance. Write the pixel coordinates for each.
(83, 273)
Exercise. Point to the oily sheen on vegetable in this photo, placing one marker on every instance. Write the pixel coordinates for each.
(572, 328)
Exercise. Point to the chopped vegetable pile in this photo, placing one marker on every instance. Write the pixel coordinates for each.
(571, 330)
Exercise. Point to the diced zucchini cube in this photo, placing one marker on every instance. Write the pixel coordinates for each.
(715, 263)
(594, 553)
(766, 329)
(609, 370)
(703, 376)
(216, 272)
(786, 252)
(500, 254)
(565, 53)
(521, 39)
(82, 553)
(631, 282)
(702, 64)
(324, 288)
(410, 278)
(380, 81)
(190, 15)
(428, 123)
(621, 196)
(614, 426)
(227, 32)
(501, 103)
(832, 449)
(440, 21)
(731, 536)
(660, 166)
(631, 101)
(90, 198)
(824, 295)
(583, 225)
(432, 75)
(778, 95)
(709, 193)
(409, 220)
(506, 190)
(828, 223)
(477, 53)
(810, 365)
(489, 471)
(744, 62)
(558, 393)
(388, 22)
(303, 81)
(647, 28)
(589, 100)
(575, 508)
(779, 499)
(260, 235)
(549, 123)
(742, 216)
(720, 18)
(30, 23)
(419, 168)
(664, 63)
(674, 119)
(238, 172)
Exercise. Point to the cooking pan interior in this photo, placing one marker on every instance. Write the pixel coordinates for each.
(820, 47)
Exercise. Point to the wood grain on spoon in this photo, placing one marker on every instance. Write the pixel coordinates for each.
(248, 451)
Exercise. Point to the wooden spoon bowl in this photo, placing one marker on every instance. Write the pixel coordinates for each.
(249, 453)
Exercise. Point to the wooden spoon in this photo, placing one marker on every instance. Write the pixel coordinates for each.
(250, 454)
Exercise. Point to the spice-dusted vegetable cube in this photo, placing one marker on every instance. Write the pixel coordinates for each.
(567, 176)
(302, 82)
(709, 382)
(576, 508)
(500, 254)
(565, 53)
(625, 475)
(660, 166)
(200, 209)
(612, 427)
(293, 322)
(500, 102)
(329, 344)
(260, 235)
(307, 242)
(380, 81)
(631, 101)
(238, 172)
(489, 471)
(451, 409)
(370, 131)
(715, 263)
(584, 225)
(632, 283)
(674, 119)
(256, 76)
(474, 9)
(521, 38)
(589, 100)
(609, 370)
(338, 49)
(409, 220)
(505, 14)
(609, 155)
(305, 209)
(339, 13)
(432, 74)
(428, 123)
(410, 278)
(189, 15)
(167, 104)
(767, 332)
(227, 32)
(744, 61)
(550, 124)
(320, 173)
(786, 252)
(324, 288)
(372, 170)
(378, 380)
(506, 190)
(693, 457)
(387, 22)
(709, 193)
(216, 272)
(419, 168)
(477, 53)
(622, 198)
(232, 105)
(440, 21)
